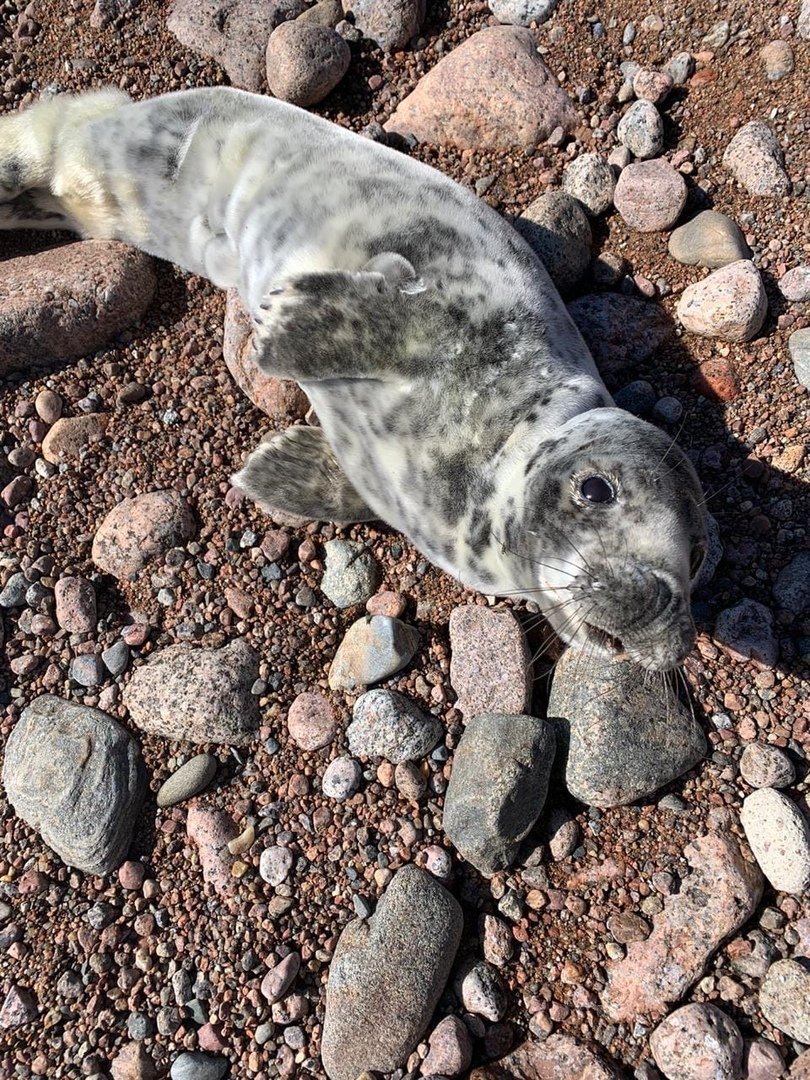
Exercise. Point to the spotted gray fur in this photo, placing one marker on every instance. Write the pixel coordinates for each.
(459, 401)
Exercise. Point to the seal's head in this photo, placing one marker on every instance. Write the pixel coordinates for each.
(617, 532)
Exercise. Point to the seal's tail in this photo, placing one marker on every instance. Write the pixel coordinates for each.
(48, 173)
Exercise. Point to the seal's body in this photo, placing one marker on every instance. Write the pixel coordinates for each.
(457, 399)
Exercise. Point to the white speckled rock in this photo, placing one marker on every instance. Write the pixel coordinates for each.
(641, 130)
(746, 630)
(766, 766)
(698, 1042)
(590, 179)
(779, 836)
(784, 998)
(729, 304)
(755, 158)
(795, 285)
(522, 12)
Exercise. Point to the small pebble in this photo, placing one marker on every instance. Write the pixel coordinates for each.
(766, 766)
(342, 778)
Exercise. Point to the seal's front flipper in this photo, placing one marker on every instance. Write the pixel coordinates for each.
(296, 471)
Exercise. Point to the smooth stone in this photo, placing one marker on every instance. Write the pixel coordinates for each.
(762, 1060)
(650, 195)
(75, 775)
(373, 648)
(324, 13)
(351, 573)
(746, 630)
(730, 304)
(641, 130)
(794, 285)
(311, 721)
(784, 998)
(556, 228)
(449, 1049)
(487, 822)
(342, 778)
(638, 397)
(680, 67)
(522, 13)
(401, 956)
(715, 900)
(75, 605)
(779, 836)
(791, 590)
(212, 831)
(561, 833)
(138, 529)
(194, 694)
(386, 724)
(69, 437)
(305, 63)
(799, 350)
(280, 978)
(14, 591)
(627, 736)
(710, 239)
(190, 779)
(275, 864)
(194, 1065)
(766, 766)
(698, 1042)
(87, 670)
(778, 59)
(755, 158)
(19, 1008)
(490, 663)
(591, 181)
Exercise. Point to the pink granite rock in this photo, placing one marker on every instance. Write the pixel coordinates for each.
(137, 529)
(730, 304)
(490, 667)
(698, 1042)
(211, 831)
(650, 195)
(560, 1057)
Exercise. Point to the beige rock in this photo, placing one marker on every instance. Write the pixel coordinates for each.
(698, 1042)
(304, 63)
(779, 836)
(730, 304)
(211, 831)
(784, 998)
(137, 529)
(72, 434)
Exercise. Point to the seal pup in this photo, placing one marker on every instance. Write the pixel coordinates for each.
(457, 400)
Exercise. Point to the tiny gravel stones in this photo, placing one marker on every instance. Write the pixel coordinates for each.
(486, 822)
(491, 91)
(449, 1049)
(19, 1007)
(386, 724)
(140, 528)
(698, 1042)
(779, 836)
(794, 285)
(373, 648)
(402, 955)
(799, 349)
(190, 779)
(784, 998)
(627, 738)
(591, 180)
(490, 666)
(482, 990)
(766, 766)
(305, 62)
(755, 158)
(556, 228)
(652, 85)
(715, 900)
(275, 864)
(75, 605)
(197, 695)
(71, 300)
(389, 23)
(521, 13)
(641, 130)
(311, 721)
(746, 630)
(650, 195)
(212, 831)
(729, 304)
(351, 573)
(777, 57)
(710, 239)
(194, 1065)
(280, 978)
(76, 776)
(342, 778)
(71, 435)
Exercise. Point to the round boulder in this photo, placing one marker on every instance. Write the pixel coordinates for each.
(557, 229)
(305, 62)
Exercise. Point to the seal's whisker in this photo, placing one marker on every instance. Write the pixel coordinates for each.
(713, 494)
(672, 443)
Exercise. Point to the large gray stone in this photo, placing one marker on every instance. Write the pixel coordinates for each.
(387, 975)
(486, 821)
(628, 735)
(388, 725)
(557, 229)
(197, 695)
(76, 776)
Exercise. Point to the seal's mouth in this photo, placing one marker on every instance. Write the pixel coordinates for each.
(605, 640)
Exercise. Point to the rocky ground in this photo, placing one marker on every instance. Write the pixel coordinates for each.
(243, 756)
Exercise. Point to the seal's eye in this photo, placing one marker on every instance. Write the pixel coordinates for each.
(597, 489)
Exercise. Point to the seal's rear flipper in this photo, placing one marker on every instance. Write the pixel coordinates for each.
(296, 471)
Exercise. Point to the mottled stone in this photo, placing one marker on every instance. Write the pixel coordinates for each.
(305, 63)
(794, 285)
(556, 228)
(373, 648)
(342, 778)
(197, 695)
(799, 349)
(19, 1008)
(133, 1062)
(650, 195)
(71, 435)
(522, 13)
(641, 130)
(779, 836)
(486, 822)
(620, 330)
(590, 180)
(450, 1049)
(729, 304)
(311, 721)
(755, 158)
(138, 529)
(491, 92)
(389, 23)
(715, 900)
(652, 85)
(766, 766)
(746, 630)
(212, 831)
(351, 573)
(709, 239)
(490, 665)
(791, 590)
(280, 978)
(698, 1042)
(387, 974)
(75, 605)
(627, 736)
(762, 1060)
(482, 991)
(189, 780)
(76, 776)
(559, 1057)
(386, 724)
(195, 1065)
(777, 56)
(784, 998)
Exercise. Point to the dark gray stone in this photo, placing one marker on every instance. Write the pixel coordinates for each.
(76, 776)
(628, 735)
(620, 330)
(486, 821)
(557, 228)
(195, 1065)
(387, 975)
(791, 590)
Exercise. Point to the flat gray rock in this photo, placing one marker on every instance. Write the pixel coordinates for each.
(486, 821)
(190, 779)
(373, 648)
(387, 975)
(76, 776)
(628, 735)
(197, 695)
(620, 330)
